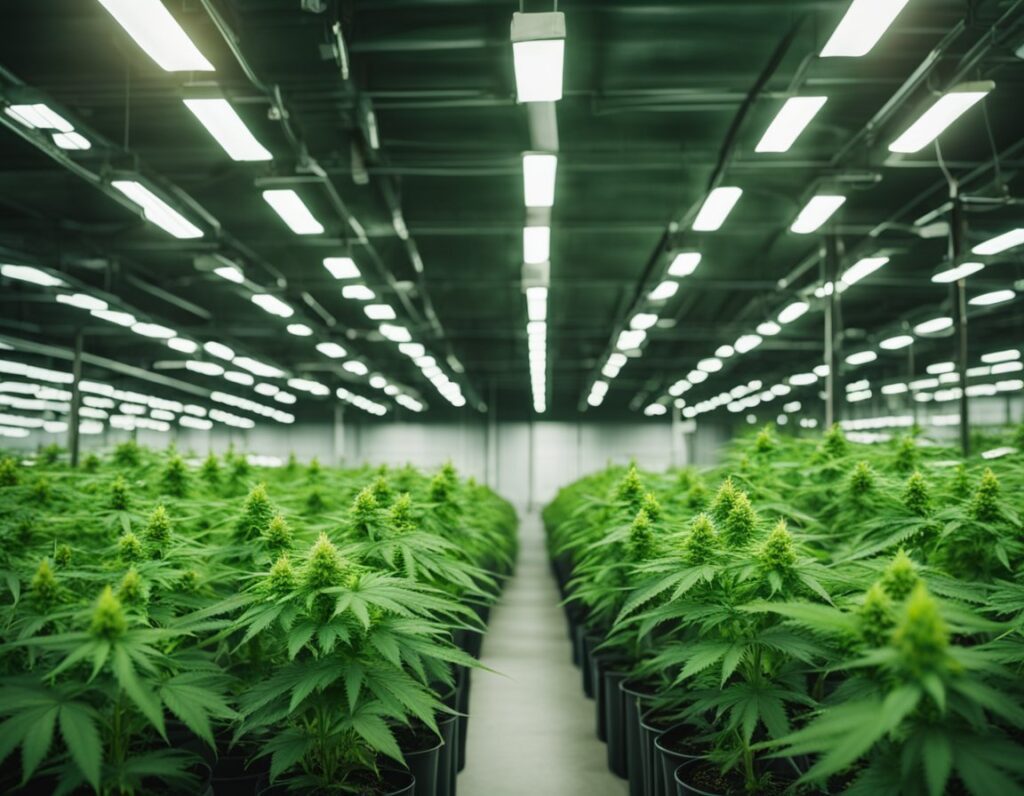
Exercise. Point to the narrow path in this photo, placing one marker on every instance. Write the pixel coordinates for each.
(531, 731)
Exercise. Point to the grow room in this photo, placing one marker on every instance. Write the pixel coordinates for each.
(524, 398)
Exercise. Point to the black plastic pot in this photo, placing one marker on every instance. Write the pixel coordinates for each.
(231, 774)
(421, 749)
(615, 720)
(590, 642)
(577, 644)
(600, 662)
(462, 706)
(635, 696)
(652, 725)
(668, 756)
(448, 725)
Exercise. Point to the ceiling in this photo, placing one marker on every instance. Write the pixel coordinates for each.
(662, 100)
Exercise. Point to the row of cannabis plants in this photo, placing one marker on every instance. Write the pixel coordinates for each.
(191, 627)
(813, 616)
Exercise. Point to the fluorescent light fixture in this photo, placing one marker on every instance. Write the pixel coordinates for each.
(1007, 367)
(205, 368)
(861, 358)
(81, 301)
(790, 121)
(793, 311)
(630, 339)
(664, 291)
(332, 350)
(379, 312)
(894, 389)
(684, 264)
(183, 345)
(1000, 356)
(272, 304)
(716, 209)
(237, 377)
(227, 127)
(821, 370)
(157, 32)
(342, 267)
(946, 110)
(113, 316)
(413, 350)
(924, 384)
(1000, 243)
(299, 329)
(643, 320)
(995, 297)
(219, 350)
(710, 365)
(536, 244)
(232, 273)
(72, 141)
(154, 330)
(897, 342)
(862, 268)
(768, 328)
(293, 211)
(655, 410)
(747, 342)
(39, 116)
(396, 334)
(358, 368)
(957, 273)
(263, 388)
(940, 367)
(696, 376)
(157, 211)
(538, 52)
(724, 351)
(26, 273)
(934, 326)
(358, 293)
(817, 211)
(539, 179)
(861, 27)
(803, 379)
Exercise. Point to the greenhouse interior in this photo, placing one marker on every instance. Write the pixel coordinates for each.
(537, 398)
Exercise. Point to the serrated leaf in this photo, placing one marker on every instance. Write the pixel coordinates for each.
(37, 742)
(145, 700)
(82, 739)
(375, 731)
(937, 754)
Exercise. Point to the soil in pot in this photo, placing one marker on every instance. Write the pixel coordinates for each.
(706, 779)
(421, 748)
(674, 747)
(652, 724)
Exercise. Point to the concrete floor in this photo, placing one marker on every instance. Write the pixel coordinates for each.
(531, 729)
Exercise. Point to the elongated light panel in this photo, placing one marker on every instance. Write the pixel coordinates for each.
(861, 28)
(716, 209)
(536, 244)
(159, 34)
(225, 125)
(941, 115)
(538, 52)
(790, 121)
(1001, 243)
(157, 210)
(539, 179)
(817, 211)
(293, 211)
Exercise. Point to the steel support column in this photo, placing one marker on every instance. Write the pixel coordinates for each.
(76, 399)
(833, 325)
(957, 235)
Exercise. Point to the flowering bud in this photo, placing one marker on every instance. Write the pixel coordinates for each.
(210, 471)
(175, 476)
(724, 500)
(119, 494)
(921, 637)
(876, 616)
(834, 443)
(8, 472)
(278, 535)
(915, 495)
(900, 578)
(777, 553)
(701, 543)
(400, 515)
(132, 591)
(129, 547)
(641, 539)
(862, 479)
(651, 505)
(44, 588)
(158, 531)
(985, 503)
(108, 620)
(257, 512)
(739, 525)
(630, 489)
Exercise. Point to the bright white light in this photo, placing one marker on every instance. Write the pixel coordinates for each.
(396, 334)
(643, 320)
(664, 291)
(716, 209)
(539, 179)
(630, 339)
(941, 115)
(861, 358)
(861, 28)
(790, 121)
(724, 351)
(72, 141)
(205, 368)
(793, 311)
(897, 342)
(342, 267)
(299, 329)
(413, 350)
(655, 410)
(803, 379)
(862, 268)
(157, 211)
(894, 389)
(232, 273)
(26, 273)
(961, 271)
(293, 211)
(1000, 356)
(183, 345)
(995, 297)
(379, 312)
(219, 350)
(710, 365)
(113, 316)
(272, 304)
(154, 330)
(332, 350)
(768, 328)
(538, 52)
(358, 368)
(1000, 243)
(237, 377)
(157, 32)
(81, 301)
(536, 244)
(696, 376)
(358, 293)
(747, 342)
(933, 326)
(684, 264)
(39, 116)
(816, 212)
(227, 127)
(1007, 367)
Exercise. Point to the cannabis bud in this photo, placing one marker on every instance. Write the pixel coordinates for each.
(240, 468)
(210, 470)
(257, 512)
(281, 577)
(129, 547)
(50, 453)
(44, 586)
(921, 637)
(127, 454)
(442, 486)
(132, 591)
(765, 441)
(91, 463)
(651, 505)
(697, 496)
(158, 531)
(108, 620)
(876, 616)
(400, 515)
(313, 470)
(364, 509)
(985, 503)
(701, 544)
(292, 464)
(41, 490)
(62, 556)
(906, 455)
(900, 577)
(724, 500)
(834, 443)
(777, 551)
(961, 481)
(382, 492)
(324, 567)
(641, 539)
(739, 525)
(119, 494)
(915, 495)
(278, 535)
(630, 489)
(315, 502)
(175, 476)
(189, 581)
(862, 479)
(8, 472)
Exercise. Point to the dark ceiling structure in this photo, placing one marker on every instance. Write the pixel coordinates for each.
(396, 122)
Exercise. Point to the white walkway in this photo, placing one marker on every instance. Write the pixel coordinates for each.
(531, 729)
